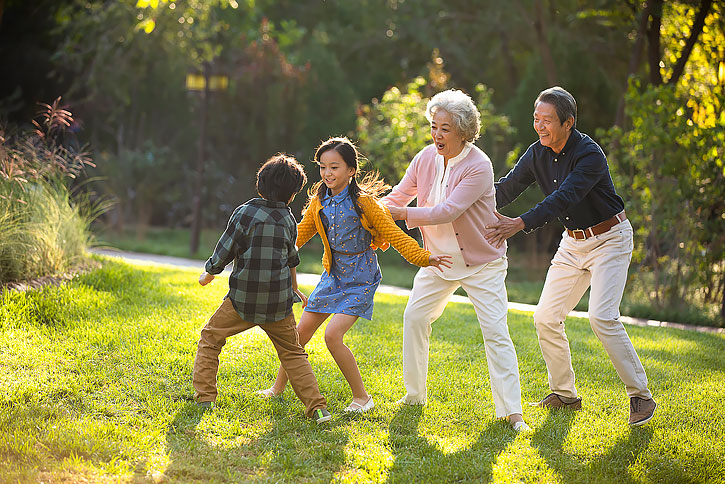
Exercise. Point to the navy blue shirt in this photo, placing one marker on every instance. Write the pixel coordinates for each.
(577, 184)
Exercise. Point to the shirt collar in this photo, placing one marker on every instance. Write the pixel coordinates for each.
(336, 198)
(573, 140)
(268, 203)
(464, 152)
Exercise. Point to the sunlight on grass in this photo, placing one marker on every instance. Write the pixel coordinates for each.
(96, 377)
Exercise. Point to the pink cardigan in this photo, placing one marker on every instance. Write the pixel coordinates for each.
(469, 205)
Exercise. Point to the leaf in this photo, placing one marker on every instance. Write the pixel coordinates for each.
(147, 25)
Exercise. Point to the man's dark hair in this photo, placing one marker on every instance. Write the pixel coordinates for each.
(563, 102)
(280, 177)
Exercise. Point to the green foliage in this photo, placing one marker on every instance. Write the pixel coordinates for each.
(391, 131)
(107, 397)
(43, 231)
(141, 181)
(670, 170)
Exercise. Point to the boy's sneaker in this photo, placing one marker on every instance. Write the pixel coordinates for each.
(641, 410)
(321, 415)
(205, 405)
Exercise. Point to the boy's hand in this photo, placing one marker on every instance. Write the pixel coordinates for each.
(440, 261)
(302, 296)
(205, 278)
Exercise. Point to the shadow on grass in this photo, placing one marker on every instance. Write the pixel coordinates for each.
(612, 466)
(419, 460)
(292, 450)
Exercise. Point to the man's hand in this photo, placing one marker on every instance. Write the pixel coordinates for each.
(398, 213)
(497, 233)
(205, 278)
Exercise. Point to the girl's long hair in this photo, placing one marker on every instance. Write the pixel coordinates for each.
(372, 184)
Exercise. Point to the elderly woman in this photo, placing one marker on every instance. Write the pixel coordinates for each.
(453, 181)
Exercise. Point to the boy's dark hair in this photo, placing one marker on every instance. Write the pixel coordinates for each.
(280, 177)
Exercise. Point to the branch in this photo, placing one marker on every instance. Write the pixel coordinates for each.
(694, 33)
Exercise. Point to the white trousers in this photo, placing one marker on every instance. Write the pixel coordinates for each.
(602, 262)
(487, 291)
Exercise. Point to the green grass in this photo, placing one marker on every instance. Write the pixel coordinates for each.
(43, 231)
(523, 282)
(96, 388)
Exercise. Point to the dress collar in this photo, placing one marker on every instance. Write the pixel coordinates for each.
(328, 199)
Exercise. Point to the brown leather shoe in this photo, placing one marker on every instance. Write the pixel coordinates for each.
(552, 400)
(641, 410)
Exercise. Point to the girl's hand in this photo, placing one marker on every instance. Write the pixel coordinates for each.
(205, 278)
(440, 261)
(302, 296)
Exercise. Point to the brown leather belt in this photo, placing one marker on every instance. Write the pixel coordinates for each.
(598, 229)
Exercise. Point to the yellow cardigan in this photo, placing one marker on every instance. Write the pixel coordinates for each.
(376, 219)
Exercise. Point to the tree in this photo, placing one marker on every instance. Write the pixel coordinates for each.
(669, 162)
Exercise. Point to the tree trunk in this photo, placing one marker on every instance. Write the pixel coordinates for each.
(546, 57)
(508, 58)
(634, 61)
(653, 35)
(200, 162)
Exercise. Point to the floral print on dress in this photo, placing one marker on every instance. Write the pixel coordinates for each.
(354, 277)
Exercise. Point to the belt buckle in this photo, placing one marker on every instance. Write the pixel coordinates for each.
(584, 234)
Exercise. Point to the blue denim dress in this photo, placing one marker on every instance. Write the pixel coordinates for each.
(354, 275)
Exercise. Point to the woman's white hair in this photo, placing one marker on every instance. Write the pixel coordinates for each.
(463, 111)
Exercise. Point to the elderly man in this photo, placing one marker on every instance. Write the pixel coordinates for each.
(595, 249)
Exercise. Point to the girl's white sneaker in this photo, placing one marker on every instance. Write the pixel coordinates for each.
(521, 426)
(357, 408)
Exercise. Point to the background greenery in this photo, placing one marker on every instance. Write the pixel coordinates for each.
(648, 76)
(45, 229)
(96, 388)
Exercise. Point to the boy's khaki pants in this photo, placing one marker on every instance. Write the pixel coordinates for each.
(226, 322)
(602, 262)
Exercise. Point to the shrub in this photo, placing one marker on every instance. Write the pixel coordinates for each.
(44, 231)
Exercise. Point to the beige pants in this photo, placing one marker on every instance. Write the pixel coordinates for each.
(487, 291)
(602, 262)
(226, 322)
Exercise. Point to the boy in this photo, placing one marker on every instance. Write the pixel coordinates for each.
(260, 238)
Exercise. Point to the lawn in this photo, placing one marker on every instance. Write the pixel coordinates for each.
(96, 388)
(524, 281)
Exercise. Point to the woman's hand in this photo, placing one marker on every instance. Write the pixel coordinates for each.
(398, 213)
(440, 261)
(205, 278)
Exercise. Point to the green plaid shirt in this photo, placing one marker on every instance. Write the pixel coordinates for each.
(260, 239)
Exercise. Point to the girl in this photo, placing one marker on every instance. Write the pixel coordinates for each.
(351, 224)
